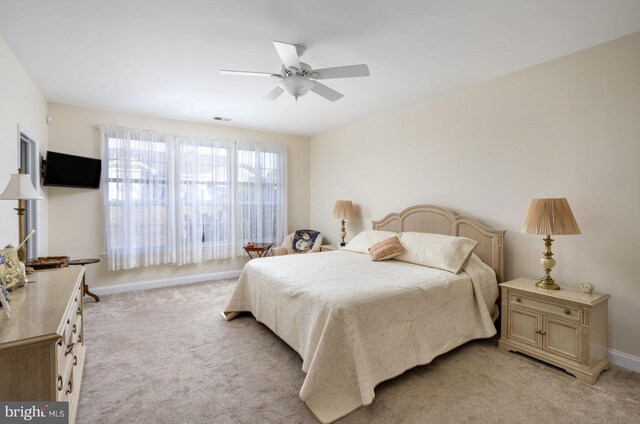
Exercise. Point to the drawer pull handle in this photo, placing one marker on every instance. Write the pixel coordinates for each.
(568, 312)
(75, 360)
(75, 329)
(59, 383)
(518, 299)
(69, 349)
(70, 389)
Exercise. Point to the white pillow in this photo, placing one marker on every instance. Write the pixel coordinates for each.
(364, 240)
(436, 250)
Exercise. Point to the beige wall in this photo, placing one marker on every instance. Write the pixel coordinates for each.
(21, 104)
(567, 128)
(76, 215)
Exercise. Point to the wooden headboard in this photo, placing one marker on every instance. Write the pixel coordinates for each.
(434, 219)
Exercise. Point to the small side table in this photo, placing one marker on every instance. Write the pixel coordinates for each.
(260, 249)
(566, 328)
(85, 287)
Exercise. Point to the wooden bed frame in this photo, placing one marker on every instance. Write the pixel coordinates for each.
(437, 220)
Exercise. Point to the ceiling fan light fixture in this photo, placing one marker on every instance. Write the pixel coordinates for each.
(296, 86)
(295, 75)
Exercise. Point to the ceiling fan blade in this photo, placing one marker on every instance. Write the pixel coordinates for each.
(341, 72)
(326, 92)
(274, 94)
(288, 54)
(248, 73)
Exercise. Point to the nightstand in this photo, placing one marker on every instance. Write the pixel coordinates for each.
(566, 327)
(328, 247)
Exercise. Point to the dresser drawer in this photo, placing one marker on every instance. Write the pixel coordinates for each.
(571, 313)
(75, 310)
(65, 361)
(68, 387)
(70, 337)
(65, 372)
(67, 339)
(68, 363)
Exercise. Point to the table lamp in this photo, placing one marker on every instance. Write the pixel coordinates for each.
(549, 217)
(20, 188)
(343, 210)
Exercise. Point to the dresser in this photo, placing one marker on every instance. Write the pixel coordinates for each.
(42, 346)
(566, 327)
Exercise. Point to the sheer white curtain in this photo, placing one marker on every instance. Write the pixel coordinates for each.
(204, 213)
(176, 199)
(137, 169)
(261, 202)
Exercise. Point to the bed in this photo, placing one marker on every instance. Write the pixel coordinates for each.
(356, 323)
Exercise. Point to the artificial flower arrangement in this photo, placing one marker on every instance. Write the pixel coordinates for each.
(11, 270)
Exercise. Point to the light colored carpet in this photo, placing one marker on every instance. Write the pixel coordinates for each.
(166, 356)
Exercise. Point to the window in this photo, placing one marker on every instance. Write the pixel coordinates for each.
(261, 193)
(174, 199)
(137, 204)
(204, 214)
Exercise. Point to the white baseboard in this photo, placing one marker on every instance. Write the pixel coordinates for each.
(165, 282)
(624, 360)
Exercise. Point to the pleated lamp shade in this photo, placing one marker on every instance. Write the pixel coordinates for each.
(550, 217)
(343, 210)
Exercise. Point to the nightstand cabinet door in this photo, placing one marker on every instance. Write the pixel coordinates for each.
(562, 338)
(523, 326)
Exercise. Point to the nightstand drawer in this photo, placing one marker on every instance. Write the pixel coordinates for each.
(567, 312)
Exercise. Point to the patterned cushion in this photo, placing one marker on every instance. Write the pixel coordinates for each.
(303, 240)
(386, 249)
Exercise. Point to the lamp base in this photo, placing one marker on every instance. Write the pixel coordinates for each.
(343, 234)
(547, 262)
(547, 285)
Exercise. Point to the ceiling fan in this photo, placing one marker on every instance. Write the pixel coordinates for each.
(297, 78)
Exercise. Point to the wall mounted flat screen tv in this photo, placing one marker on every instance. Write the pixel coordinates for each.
(64, 170)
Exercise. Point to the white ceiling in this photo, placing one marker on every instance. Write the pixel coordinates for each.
(162, 57)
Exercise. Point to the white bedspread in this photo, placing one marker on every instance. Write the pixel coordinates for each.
(356, 322)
